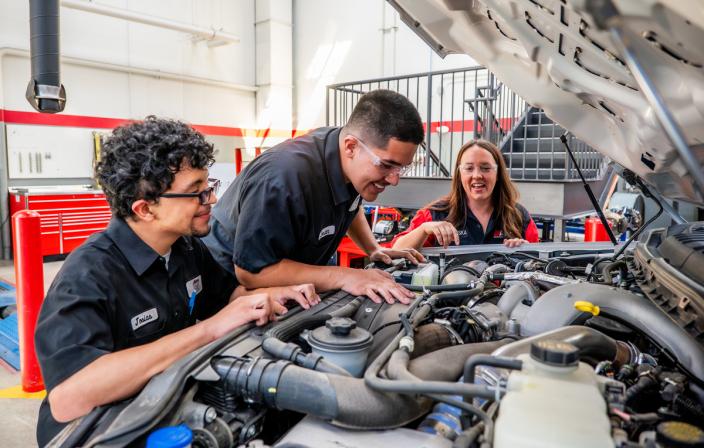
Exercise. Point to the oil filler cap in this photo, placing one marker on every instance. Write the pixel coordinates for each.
(555, 353)
(340, 326)
(679, 434)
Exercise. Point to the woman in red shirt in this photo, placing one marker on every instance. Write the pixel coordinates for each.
(481, 208)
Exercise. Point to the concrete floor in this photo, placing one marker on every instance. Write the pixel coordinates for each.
(18, 416)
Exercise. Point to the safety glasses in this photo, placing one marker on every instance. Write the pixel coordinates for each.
(204, 196)
(388, 168)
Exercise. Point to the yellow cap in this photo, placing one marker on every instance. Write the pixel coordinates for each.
(587, 307)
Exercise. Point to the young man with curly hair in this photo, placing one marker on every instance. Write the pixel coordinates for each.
(135, 298)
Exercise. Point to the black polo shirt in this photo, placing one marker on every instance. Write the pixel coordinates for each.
(292, 202)
(474, 233)
(115, 292)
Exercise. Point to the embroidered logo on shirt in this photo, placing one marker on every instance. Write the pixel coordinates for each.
(355, 203)
(498, 234)
(329, 230)
(462, 232)
(195, 285)
(144, 318)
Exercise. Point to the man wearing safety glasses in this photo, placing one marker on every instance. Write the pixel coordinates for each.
(135, 298)
(285, 214)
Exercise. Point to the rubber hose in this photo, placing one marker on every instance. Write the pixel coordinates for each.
(346, 402)
(447, 364)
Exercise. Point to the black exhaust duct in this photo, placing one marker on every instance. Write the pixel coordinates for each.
(44, 91)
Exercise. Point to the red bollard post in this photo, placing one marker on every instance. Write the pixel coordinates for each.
(29, 279)
(238, 160)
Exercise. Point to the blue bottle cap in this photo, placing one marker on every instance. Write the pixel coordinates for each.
(170, 437)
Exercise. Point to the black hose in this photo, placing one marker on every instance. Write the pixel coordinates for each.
(488, 423)
(447, 364)
(439, 288)
(606, 271)
(372, 380)
(349, 308)
(293, 352)
(289, 329)
(556, 309)
(397, 369)
(645, 381)
(275, 341)
(345, 401)
(454, 298)
(417, 313)
(591, 344)
(467, 437)
(44, 91)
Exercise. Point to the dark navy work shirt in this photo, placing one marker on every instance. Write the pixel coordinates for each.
(472, 232)
(292, 202)
(115, 292)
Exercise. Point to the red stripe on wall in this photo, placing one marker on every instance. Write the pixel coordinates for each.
(83, 121)
(463, 125)
(80, 121)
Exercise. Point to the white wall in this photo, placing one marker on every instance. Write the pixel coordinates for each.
(96, 92)
(339, 41)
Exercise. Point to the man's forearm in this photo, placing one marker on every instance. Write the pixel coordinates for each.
(288, 272)
(361, 234)
(121, 374)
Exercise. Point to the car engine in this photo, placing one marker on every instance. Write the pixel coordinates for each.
(561, 346)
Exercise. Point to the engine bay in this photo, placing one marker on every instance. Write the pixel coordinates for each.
(554, 345)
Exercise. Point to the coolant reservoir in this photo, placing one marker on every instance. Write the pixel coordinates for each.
(426, 275)
(554, 402)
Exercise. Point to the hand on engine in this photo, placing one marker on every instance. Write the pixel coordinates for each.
(259, 308)
(514, 242)
(304, 294)
(375, 284)
(386, 255)
(444, 232)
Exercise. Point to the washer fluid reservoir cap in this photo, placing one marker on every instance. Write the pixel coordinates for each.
(179, 436)
(679, 434)
(554, 353)
(340, 333)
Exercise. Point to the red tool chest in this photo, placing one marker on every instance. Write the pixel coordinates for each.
(67, 218)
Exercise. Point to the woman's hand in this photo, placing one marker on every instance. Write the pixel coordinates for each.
(514, 242)
(444, 232)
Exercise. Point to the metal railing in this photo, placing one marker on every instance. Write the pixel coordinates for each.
(533, 151)
(456, 106)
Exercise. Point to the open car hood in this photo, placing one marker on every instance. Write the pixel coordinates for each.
(553, 54)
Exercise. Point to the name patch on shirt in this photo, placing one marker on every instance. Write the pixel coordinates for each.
(195, 285)
(329, 230)
(144, 318)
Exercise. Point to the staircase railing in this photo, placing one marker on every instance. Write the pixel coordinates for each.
(456, 106)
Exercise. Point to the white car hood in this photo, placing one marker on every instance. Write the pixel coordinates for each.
(551, 53)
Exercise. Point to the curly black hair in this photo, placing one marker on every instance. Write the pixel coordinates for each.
(139, 160)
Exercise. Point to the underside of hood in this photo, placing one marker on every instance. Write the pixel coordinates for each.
(553, 54)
